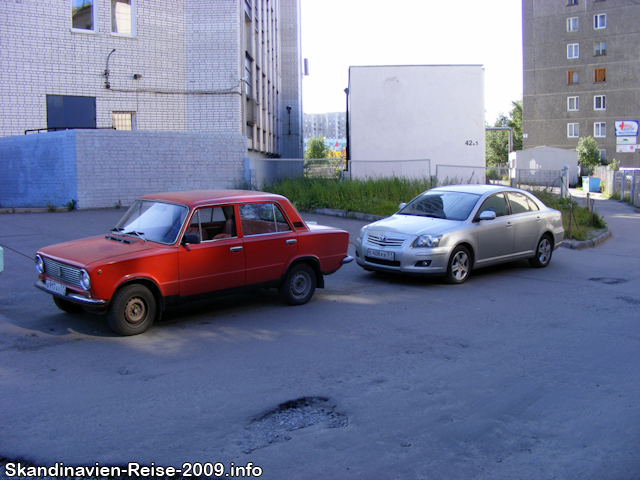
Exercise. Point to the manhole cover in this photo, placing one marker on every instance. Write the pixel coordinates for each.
(275, 425)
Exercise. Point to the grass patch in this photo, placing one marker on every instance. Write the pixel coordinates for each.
(381, 196)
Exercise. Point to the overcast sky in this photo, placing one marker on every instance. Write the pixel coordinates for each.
(337, 34)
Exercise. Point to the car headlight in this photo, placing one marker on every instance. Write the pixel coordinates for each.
(427, 241)
(39, 264)
(85, 281)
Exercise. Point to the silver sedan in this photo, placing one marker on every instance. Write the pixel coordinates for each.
(452, 230)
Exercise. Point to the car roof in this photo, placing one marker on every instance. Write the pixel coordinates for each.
(477, 189)
(195, 198)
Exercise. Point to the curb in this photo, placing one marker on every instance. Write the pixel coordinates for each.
(344, 214)
(581, 245)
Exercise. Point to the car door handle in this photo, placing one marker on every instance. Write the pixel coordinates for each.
(236, 249)
(509, 224)
(538, 218)
(292, 241)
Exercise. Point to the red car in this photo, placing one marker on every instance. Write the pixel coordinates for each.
(173, 247)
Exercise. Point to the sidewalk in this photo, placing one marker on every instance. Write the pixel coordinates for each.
(623, 220)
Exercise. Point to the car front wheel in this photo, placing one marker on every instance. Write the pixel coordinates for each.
(543, 252)
(133, 310)
(298, 285)
(459, 266)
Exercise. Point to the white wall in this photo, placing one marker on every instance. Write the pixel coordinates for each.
(433, 112)
(546, 158)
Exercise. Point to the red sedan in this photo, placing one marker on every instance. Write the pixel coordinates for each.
(173, 247)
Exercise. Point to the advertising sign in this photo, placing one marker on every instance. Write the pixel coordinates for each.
(626, 128)
(627, 140)
(625, 148)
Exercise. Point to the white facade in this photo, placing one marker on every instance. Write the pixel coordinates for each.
(223, 66)
(413, 113)
(546, 158)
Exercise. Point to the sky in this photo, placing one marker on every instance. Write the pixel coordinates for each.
(337, 34)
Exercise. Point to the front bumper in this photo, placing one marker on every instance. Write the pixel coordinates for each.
(414, 261)
(73, 297)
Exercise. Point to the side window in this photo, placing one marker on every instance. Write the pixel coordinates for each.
(496, 203)
(213, 223)
(262, 218)
(519, 203)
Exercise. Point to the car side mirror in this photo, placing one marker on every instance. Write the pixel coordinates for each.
(487, 215)
(402, 205)
(192, 238)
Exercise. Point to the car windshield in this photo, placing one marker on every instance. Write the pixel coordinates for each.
(446, 205)
(154, 221)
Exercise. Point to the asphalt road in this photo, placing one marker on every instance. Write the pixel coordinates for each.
(519, 373)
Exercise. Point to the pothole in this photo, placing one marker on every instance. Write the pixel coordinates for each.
(275, 425)
(609, 281)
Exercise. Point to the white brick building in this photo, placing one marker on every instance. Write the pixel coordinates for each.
(208, 66)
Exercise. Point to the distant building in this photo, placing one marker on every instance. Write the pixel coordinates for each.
(328, 125)
(581, 71)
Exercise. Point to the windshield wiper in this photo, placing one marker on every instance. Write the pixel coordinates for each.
(137, 234)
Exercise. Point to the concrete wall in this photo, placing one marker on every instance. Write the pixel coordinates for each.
(546, 158)
(433, 112)
(100, 168)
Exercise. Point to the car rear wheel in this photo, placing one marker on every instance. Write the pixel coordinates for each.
(459, 266)
(66, 305)
(543, 252)
(133, 310)
(299, 285)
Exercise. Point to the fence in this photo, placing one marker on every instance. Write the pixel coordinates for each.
(623, 183)
(419, 168)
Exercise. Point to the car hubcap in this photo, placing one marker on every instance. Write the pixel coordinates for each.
(460, 265)
(544, 251)
(300, 284)
(135, 310)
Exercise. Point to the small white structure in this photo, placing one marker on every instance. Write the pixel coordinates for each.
(405, 120)
(546, 158)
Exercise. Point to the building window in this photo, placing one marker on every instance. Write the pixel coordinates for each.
(600, 21)
(599, 102)
(248, 74)
(123, 120)
(573, 50)
(572, 24)
(573, 104)
(600, 75)
(572, 2)
(573, 130)
(123, 17)
(64, 112)
(84, 15)
(600, 49)
(600, 129)
(572, 77)
(603, 156)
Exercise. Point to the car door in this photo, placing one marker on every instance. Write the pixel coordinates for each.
(215, 260)
(494, 238)
(527, 223)
(269, 241)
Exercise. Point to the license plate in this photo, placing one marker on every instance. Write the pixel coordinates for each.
(55, 287)
(380, 254)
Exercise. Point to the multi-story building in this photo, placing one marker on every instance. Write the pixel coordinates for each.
(581, 71)
(329, 125)
(225, 66)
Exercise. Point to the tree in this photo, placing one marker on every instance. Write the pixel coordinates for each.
(316, 148)
(588, 154)
(497, 142)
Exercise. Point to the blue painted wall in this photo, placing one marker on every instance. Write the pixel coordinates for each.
(38, 169)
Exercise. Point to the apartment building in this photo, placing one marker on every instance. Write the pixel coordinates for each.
(328, 125)
(223, 66)
(581, 71)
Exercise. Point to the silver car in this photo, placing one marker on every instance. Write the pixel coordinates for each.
(451, 230)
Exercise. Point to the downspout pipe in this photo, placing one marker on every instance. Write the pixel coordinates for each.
(504, 129)
(106, 71)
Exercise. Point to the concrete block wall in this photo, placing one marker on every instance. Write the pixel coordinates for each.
(102, 168)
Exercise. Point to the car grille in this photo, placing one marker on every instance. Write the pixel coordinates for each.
(384, 241)
(61, 272)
